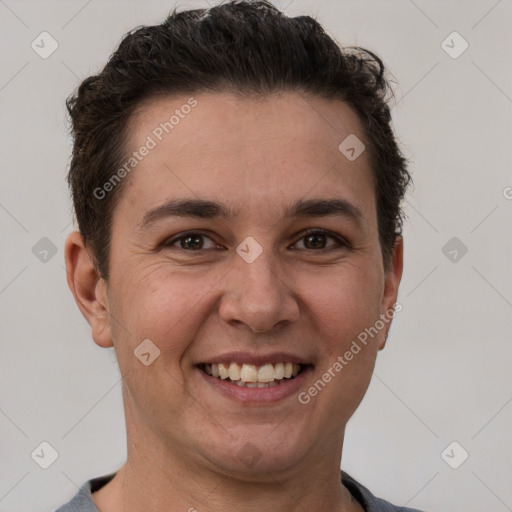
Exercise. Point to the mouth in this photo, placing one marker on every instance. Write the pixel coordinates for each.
(247, 375)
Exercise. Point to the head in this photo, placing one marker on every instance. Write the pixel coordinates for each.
(231, 123)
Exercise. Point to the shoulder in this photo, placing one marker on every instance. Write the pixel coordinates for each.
(82, 501)
(368, 500)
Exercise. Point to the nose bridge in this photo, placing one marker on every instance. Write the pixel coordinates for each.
(258, 296)
(258, 273)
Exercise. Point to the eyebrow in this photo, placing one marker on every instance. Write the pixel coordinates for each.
(205, 209)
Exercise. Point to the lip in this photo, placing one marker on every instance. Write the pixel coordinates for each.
(257, 359)
(258, 395)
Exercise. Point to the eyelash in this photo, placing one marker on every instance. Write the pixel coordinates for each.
(342, 243)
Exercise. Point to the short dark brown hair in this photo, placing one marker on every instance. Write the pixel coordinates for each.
(247, 47)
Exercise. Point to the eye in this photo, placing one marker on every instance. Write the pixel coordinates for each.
(190, 241)
(316, 239)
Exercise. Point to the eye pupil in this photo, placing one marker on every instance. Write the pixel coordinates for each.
(196, 244)
(314, 239)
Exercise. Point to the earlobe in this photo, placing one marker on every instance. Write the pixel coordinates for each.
(393, 276)
(88, 289)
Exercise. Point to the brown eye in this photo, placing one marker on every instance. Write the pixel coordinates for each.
(190, 242)
(317, 239)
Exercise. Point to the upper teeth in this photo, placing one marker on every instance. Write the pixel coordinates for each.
(251, 373)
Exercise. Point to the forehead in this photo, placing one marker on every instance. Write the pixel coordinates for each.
(247, 151)
(228, 118)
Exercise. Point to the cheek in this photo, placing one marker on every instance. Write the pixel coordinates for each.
(163, 307)
(344, 302)
(345, 305)
(160, 305)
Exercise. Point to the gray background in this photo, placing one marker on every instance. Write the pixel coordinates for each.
(445, 374)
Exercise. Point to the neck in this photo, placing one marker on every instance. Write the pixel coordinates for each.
(158, 478)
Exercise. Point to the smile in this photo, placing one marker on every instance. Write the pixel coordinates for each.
(253, 376)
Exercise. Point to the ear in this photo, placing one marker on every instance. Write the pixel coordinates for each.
(393, 276)
(88, 288)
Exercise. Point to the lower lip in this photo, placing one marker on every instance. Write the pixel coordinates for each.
(258, 395)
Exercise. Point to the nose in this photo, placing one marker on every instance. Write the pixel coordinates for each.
(257, 295)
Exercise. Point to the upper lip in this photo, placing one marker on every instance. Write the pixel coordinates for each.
(256, 359)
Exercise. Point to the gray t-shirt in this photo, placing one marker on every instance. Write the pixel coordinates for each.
(82, 501)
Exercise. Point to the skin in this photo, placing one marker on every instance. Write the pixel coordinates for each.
(258, 156)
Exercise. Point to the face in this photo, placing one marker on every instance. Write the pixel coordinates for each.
(283, 265)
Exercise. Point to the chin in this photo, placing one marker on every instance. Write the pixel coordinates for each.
(255, 453)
